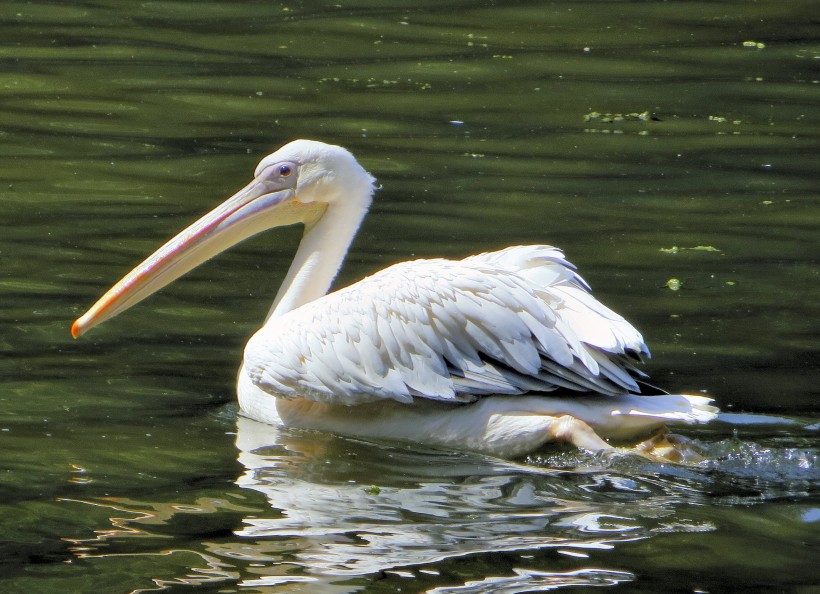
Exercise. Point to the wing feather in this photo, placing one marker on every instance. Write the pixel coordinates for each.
(507, 322)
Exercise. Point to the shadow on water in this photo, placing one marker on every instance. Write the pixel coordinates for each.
(334, 511)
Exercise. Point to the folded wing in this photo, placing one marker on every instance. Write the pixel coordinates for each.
(510, 322)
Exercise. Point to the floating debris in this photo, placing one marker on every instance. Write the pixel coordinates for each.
(754, 44)
(723, 120)
(674, 284)
(610, 118)
(698, 248)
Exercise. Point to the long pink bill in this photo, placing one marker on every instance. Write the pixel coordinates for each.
(255, 208)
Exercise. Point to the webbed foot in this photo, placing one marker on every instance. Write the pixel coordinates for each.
(664, 446)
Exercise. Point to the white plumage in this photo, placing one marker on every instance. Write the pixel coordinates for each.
(499, 352)
(450, 331)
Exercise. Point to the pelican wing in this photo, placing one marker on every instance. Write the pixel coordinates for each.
(508, 322)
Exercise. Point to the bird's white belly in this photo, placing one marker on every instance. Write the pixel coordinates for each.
(506, 426)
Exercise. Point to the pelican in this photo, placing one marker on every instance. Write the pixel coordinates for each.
(499, 353)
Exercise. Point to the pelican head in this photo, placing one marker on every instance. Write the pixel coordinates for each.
(299, 183)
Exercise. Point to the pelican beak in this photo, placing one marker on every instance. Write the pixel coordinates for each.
(260, 205)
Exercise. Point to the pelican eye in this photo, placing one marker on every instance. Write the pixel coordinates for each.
(285, 170)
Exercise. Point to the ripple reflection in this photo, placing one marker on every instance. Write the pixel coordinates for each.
(362, 509)
(334, 510)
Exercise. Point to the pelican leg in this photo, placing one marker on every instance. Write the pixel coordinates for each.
(578, 433)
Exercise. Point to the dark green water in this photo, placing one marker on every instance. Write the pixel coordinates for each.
(124, 465)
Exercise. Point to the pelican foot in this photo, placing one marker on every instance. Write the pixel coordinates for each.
(664, 446)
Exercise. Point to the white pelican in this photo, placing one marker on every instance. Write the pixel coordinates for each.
(499, 352)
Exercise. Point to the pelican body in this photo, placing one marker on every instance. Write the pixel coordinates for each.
(500, 352)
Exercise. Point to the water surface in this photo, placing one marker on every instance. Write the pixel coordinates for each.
(651, 141)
